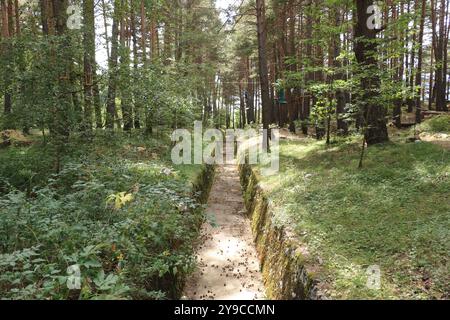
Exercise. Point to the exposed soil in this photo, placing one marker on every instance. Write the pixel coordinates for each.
(228, 266)
(14, 137)
(439, 139)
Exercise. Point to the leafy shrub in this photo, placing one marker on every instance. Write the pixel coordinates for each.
(126, 226)
(22, 168)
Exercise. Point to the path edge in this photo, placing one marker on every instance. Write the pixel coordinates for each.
(201, 188)
(286, 271)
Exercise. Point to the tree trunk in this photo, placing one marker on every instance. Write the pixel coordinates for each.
(310, 75)
(292, 67)
(242, 106)
(154, 37)
(250, 93)
(143, 33)
(418, 82)
(397, 65)
(411, 65)
(440, 49)
(125, 94)
(263, 70)
(137, 100)
(342, 125)
(431, 83)
(365, 50)
(89, 61)
(7, 56)
(112, 83)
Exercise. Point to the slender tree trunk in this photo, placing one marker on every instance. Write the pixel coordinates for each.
(319, 77)
(167, 49)
(292, 67)
(418, 82)
(17, 17)
(178, 33)
(397, 65)
(242, 106)
(154, 37)
(112, 83)
(411, 65)
(137, 100)
(342, 125)
(250, 102)
(105, 25)
(125, 94)
(281, 50)
(431, 82)
(263, 70)
(89, 62)
(310, 74)
(10, 18)
(143, 32)
(7, 56)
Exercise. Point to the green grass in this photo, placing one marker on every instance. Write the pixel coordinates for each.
(138, 247)
(438, 124)
(394, 213)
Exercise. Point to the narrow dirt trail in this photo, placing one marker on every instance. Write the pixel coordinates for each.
(228, 267)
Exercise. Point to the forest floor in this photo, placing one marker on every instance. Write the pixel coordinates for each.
(128, 218)
(227, 262)
(119, 210)
(393, 213)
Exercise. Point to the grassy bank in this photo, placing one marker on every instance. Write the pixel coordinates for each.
(394, 213)
(118, 210)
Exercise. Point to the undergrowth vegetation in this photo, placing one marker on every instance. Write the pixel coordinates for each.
(439, 124)
(117, 212)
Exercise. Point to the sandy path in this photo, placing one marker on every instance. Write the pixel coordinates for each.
(228, 267)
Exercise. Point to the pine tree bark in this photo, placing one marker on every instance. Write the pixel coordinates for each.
(154, 38)
(242, 118)
(263, 69)
(124, 72)
(105, 25)
(250, 93)
(441, 74)
(112, 83)
(310, 75)
(418, 82)
(365, 50)
(397, 65)
(6, 53)
(17, 17)
(137, 103)
(342, 125)
(143, 32)
(411, 65)
(89, 62)
(292, 67)
(431, 82)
